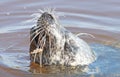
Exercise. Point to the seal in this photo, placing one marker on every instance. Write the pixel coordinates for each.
(52, 44)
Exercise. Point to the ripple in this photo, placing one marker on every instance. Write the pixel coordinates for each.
(94, 15)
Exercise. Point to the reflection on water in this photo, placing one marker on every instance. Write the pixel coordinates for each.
(100, 18)
(35, 69)
(107, 55)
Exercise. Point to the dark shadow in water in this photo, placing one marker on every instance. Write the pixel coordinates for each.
(36, 69)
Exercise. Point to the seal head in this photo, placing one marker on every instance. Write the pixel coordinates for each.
(53, 44)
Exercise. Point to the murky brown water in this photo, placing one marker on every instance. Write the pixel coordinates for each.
(100, 18)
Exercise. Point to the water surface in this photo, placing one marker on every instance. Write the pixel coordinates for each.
(100, 18)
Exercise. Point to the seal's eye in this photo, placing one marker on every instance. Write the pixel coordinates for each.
(50, 16)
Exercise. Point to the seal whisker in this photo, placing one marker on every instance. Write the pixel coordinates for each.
(35, 37)
(35, 57)
(50, 45)
(39, 41)
(40, 54)
(47, 9)
(50, 10)
(80, 34)
(40, 58)
(41, 11)
(35, 15)
(38, 27)
(53, 10)
(36, 31)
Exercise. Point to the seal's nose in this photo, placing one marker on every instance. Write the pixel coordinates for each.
(47, 18)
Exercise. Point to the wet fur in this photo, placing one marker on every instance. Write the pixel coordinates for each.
(58, 45)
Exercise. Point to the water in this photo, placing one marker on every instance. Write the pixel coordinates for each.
(87, 14)
(100, 18)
